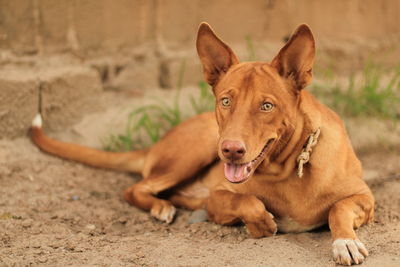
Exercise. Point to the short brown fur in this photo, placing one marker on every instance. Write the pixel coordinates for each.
(186, 164)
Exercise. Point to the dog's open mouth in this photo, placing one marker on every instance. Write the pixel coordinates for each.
(238, 173)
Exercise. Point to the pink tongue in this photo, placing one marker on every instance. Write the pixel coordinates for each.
(235, 173)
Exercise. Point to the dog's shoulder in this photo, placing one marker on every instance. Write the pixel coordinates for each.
(321, 116)
(334, 147)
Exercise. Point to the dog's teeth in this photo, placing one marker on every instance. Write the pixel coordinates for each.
(261, 154)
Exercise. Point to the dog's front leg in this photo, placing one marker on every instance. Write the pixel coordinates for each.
(225, 207)
(344, 216)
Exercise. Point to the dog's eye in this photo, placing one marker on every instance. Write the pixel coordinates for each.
(226, 102)
(267, 106)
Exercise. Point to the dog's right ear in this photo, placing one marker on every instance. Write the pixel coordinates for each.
(295, 60)
(216, 56)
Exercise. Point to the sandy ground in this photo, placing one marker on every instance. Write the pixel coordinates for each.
(57, 213)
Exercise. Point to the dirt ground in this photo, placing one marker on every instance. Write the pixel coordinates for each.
(56, 213)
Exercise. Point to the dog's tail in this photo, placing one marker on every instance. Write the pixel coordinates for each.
(123, 161)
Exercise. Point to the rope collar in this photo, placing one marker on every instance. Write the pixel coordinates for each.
(305, 154)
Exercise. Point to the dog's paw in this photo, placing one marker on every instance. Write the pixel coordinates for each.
(262, 226)
(163, 210)
(349, 251)
(128, 195)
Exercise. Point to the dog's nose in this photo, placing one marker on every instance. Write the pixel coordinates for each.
(233, 150)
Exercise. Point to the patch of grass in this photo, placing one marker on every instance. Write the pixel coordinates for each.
(204, 101)
(9, 216)
(377, 94)
(250, 49)
(147, 124)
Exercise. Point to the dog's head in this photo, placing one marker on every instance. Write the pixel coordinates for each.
(256, 102)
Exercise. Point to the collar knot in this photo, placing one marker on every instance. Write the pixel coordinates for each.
(305, 154)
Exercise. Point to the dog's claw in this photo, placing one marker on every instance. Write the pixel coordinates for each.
(264, 226)
(163, 211)
(349, 251)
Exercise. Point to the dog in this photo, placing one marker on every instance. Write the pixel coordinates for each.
(271, 156)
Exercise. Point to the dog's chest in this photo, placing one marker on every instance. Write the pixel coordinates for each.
(288, 225)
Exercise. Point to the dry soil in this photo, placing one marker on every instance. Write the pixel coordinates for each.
(59, 213)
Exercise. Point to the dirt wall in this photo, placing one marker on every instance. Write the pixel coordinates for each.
(98, 27)
(30, 26)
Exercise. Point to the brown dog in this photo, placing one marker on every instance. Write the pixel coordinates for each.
(286, 162)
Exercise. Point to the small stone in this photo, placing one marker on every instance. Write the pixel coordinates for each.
(198, 216)
(194, 230)
(75, 197)
(42, 260)
(81, 236)
(35, 244)
(91, 227)
(59, 237)
(79, 248)
(27, 223)
(122, 220)
(216, 227)
(240, 238)
(54, 245)
(70, 247)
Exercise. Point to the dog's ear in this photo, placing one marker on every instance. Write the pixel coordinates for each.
(295, 60)
(216, 56)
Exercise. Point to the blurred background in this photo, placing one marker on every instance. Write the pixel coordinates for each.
(117, 74)
(65, 52)
(134, 64)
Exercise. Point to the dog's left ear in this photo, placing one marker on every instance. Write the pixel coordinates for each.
(295, 60)
(216, 56)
